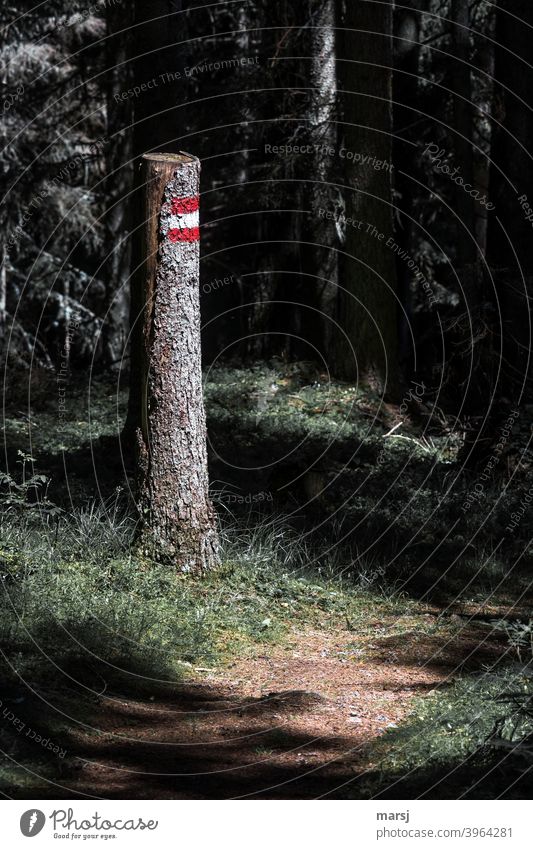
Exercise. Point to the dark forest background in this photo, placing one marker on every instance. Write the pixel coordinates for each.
(366, 276)
(388, 123)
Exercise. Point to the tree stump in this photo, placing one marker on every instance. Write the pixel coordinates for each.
(177, 520)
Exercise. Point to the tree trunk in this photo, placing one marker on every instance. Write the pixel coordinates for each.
(512, 136)
(318, 256)
(406, 96)
(367, 305)
(463, 126)
(158, 66)
(3, 296)
(178, 520)
(118, 185)
(511, 187)
(156, 126)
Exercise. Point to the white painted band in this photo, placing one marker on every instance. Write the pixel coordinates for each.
(188, 220)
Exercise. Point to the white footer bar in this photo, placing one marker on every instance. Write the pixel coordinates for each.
(267, 824)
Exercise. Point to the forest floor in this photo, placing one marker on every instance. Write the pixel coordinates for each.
(299, 720)
(317, 711)
(363, 637)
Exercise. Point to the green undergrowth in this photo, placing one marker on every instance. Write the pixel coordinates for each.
(471, 739)
(290, 438)
(82, 617)
(73, 592)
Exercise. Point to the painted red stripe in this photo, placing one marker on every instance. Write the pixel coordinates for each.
(179, 206)
(184, 234)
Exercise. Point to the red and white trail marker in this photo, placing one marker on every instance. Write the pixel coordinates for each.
(182, 222)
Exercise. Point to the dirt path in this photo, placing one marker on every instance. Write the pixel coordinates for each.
(296, 723)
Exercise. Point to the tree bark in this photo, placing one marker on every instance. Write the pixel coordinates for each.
(318, 257)
(367, 306)
(463, 126)
(118, 185)
(156, 126)
(177, 519)
(512, 135)
(511, 189)
(3, 296)
(406, 95)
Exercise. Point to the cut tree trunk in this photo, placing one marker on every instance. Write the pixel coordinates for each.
(178, 523)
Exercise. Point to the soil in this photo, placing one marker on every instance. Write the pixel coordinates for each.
(298, 722)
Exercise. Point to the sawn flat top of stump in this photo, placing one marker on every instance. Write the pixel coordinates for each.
(181, 157)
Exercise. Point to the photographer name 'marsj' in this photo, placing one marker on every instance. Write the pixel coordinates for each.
(64, 819)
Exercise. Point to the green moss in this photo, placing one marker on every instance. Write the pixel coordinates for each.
(451, 738)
